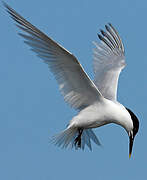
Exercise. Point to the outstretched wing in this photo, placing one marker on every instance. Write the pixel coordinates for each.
(75, 85)
(108, 62)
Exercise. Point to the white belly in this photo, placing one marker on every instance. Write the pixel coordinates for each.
(102, 113)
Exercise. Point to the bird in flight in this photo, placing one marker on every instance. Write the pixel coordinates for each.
(95, 101)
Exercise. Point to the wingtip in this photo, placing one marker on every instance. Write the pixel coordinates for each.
(102, 31)
(99, 36)
(106, 26)
(109, 24)
(5, 5)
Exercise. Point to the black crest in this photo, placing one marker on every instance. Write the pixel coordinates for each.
(135, 121)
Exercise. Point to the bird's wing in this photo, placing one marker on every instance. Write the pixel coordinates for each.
(108, 62)
(75, 85)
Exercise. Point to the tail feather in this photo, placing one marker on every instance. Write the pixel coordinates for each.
(87, 139)
(68, 138)
(65, 138)
(93, 137)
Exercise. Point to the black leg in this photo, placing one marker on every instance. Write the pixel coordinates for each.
(78, 138)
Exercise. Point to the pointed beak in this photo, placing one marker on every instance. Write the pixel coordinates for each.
(131, 145)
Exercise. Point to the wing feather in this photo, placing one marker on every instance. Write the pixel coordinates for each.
(108, 62)
(75, 85)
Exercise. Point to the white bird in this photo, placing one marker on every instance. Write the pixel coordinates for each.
(96, 101)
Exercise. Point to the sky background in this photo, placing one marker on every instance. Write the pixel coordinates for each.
(32, 109)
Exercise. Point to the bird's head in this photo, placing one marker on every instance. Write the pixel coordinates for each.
(134, 131)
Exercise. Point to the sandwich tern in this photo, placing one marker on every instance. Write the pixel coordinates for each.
(95, 101)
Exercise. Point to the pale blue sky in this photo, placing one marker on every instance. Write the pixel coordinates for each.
(32, 109)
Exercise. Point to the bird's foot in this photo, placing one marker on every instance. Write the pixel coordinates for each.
(77, 140)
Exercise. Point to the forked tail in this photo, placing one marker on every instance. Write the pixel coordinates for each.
(75, 138)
